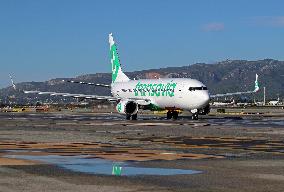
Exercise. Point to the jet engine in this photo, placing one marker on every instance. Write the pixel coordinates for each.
(127, 107)
(204, 110)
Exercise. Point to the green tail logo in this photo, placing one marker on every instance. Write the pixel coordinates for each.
(114, 62)
(117, 74)
(256, 85)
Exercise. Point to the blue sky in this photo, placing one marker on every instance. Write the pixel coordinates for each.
(44, 39)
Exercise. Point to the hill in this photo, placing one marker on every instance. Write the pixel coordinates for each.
(222, 77)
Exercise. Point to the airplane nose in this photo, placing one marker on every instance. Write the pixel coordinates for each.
(204, 98)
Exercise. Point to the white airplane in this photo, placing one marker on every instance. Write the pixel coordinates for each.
(171, 94)
(219, 104)
(12, 81)
(275, 102)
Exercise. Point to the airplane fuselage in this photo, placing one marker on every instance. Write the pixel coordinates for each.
(168, 93)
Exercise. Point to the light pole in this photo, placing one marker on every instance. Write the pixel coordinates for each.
(264, 96)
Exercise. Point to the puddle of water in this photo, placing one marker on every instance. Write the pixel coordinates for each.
(278, 122)
(101, 166)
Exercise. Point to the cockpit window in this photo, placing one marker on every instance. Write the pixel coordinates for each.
(197, 88)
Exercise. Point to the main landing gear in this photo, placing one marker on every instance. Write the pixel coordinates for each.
(172, 114)
(133, 117)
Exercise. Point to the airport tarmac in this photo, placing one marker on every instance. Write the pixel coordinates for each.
(78, 151)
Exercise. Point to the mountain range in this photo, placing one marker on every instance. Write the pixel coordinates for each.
(222, 77)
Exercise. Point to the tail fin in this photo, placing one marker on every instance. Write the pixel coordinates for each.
(12, 81)
(256, 85)
(117, 74)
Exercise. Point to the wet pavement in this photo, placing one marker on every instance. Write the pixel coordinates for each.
(88, 164)
(214, 153)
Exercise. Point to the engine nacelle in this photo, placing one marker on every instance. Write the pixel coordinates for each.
(127, 107)
(205, 110)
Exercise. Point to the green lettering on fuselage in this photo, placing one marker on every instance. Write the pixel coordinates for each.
(156, 90)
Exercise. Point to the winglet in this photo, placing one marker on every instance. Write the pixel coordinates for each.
(256, 85)
(110, 40)
(12, 81)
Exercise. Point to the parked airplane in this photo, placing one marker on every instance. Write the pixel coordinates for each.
(274, 102)
(225, 104)
(12, 81)
(172, 94)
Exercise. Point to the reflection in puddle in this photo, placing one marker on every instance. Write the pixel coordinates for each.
(101, 166)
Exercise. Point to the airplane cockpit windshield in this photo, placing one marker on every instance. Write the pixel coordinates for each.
(197, 88)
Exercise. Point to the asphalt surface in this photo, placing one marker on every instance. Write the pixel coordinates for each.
(233, 153)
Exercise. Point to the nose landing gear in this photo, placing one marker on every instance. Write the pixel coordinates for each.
(194, 113)
(194, 116)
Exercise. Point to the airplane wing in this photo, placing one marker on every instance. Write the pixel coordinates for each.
(86, 83)
(256, 89)
(92, 97)
(79, 96)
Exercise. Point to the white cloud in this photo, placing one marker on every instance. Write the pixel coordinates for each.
(215, 26)
(269, 21)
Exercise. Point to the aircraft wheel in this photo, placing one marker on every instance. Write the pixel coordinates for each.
(194, 116)
(128, 117)
(175, 115)
(134, 117)
(169, 115)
